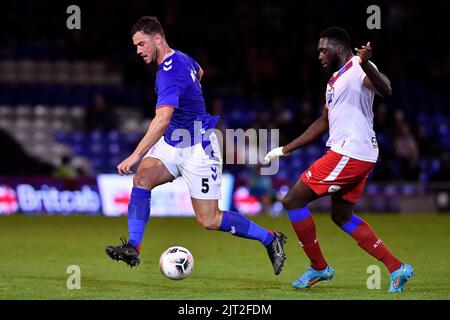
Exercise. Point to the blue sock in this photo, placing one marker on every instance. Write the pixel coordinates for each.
(240, 226)
(352, 224)
(299, 215)
(138, 214)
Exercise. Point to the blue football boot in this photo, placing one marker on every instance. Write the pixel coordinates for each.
(400, 277)
(311, 277)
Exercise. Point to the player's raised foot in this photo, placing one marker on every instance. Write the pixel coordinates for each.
(125, 252)
(400, 277)
(276, 252)
(311, 277)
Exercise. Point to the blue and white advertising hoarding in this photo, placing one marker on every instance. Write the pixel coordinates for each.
(52, 196)
(170, 199)
(108, 194)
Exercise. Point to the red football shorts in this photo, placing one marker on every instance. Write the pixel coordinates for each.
(336, 173)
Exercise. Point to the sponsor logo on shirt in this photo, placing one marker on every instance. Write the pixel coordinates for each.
(330, 95)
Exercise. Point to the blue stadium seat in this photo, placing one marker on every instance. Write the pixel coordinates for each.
(114, 148)
(63, 137)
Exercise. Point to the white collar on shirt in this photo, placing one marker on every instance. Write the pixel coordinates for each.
(168, 54)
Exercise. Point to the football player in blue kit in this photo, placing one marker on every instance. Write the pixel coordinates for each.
(176, 145)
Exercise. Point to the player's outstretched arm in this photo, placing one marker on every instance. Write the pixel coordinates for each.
(154, 132)
(314, 131)
(374, 80)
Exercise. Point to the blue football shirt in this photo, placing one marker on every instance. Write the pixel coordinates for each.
(177, 85)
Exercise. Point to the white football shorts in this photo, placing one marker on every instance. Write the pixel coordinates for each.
(200, 165)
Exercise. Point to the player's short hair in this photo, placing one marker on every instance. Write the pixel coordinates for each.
(338, 34)
(148, 25)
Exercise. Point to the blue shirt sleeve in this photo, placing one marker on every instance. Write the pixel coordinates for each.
(195, 64)
(168, 89)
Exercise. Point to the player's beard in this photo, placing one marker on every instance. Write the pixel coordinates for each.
(155, 55)
(334, 65)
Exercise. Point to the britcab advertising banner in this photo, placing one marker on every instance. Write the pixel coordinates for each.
(35, 195)
(170, 199)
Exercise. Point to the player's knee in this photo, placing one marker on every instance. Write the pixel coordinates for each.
(337, 220)
(340, 218)
(287, 202)
(142, 180)
(290, 203)
(208, 223)
(208, 220)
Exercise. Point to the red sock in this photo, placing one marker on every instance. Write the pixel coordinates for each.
(369, 241)
(306, 234)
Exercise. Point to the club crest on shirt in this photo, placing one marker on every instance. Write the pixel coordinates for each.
(330, 95)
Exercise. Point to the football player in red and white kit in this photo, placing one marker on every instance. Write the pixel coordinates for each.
(343, 170)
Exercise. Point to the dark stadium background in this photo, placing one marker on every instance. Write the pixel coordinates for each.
(261, 71)
(74, 103)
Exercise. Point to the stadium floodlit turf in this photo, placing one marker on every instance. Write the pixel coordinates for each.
(36, 251)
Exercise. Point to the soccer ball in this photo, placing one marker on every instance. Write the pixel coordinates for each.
(176, 263)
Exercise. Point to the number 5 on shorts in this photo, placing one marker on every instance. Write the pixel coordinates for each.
(205, 185)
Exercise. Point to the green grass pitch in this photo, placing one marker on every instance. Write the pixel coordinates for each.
(36, 251)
